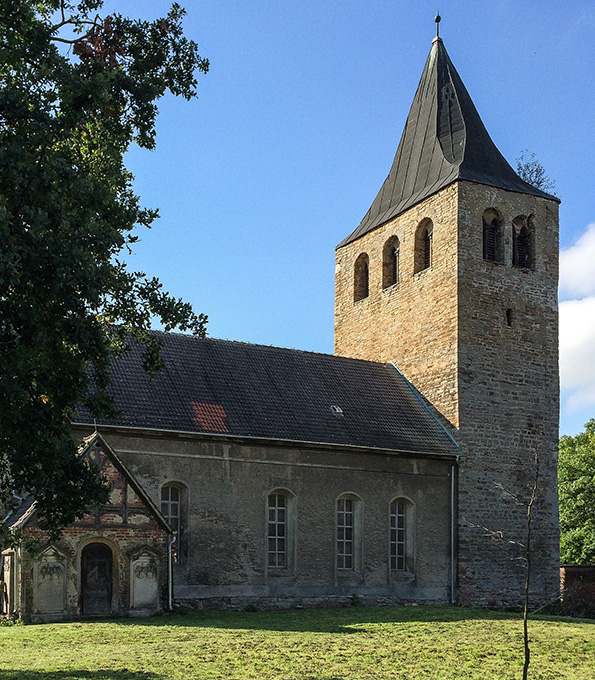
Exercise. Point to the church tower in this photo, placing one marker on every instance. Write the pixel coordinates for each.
(452, 276)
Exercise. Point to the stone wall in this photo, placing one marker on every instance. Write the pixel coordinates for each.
(509, 398)
(412, 323)
(226, 485)
(479, 340)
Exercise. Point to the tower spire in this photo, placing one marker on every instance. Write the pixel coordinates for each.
(444, 141)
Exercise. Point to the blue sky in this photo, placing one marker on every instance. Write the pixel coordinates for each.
(295, 129)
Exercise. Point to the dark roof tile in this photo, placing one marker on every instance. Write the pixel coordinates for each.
(238, 389)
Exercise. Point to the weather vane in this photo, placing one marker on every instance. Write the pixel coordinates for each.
(438, 19)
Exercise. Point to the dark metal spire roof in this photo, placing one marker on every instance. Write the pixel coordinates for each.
(444, 140)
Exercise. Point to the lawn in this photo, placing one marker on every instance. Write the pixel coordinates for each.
(359, 643)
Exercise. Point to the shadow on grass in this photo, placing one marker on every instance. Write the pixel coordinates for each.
(77, 675)
(347, 620)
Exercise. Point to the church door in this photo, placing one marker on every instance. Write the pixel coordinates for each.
(96, 579)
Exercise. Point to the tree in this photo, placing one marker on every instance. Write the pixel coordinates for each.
(576, 485)
(532, 171)
(76, 90)
(527, 501)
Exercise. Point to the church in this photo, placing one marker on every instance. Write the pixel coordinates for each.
(247, 476)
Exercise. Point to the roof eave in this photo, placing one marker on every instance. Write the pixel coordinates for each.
(264, 441)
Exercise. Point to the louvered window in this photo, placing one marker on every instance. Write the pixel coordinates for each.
(394, 265)
(489, 241)
(493, 241)
(427, 248)
(522, 249)
(423, 246)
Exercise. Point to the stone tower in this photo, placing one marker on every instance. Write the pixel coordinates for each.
(452, 275)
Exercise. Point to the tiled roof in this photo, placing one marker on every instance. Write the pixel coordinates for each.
(242, 390)
(444, 140)
(21, 512)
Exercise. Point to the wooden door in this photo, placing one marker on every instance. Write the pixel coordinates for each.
(96, 579)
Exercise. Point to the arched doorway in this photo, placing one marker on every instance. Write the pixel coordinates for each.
(96, 579)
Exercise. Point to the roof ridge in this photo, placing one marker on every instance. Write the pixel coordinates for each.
(178, 334)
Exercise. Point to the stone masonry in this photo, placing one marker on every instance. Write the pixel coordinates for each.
(479, 340)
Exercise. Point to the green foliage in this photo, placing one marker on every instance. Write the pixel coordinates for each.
(532, 171)
(76, 91)
(355, 643)
(576, 481)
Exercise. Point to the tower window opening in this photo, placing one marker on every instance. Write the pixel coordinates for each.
(509, 317)
(522, 242)
(493, 242)
(427, 249)
(361, 278)
(390, 263)
(423, 246)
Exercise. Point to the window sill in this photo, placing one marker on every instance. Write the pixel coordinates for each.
(279, 572)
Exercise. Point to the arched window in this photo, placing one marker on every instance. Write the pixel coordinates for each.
(349, 539)
(361, 278)
(522, 242)
(280, 529)
(400, 535)
(423, 246)
(173, 508)
(493, 237)
(390, 263)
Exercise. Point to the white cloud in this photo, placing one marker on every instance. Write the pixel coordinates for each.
(577, 270)
(577, 324)
(577, 342)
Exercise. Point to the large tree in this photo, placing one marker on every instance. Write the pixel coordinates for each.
(576, 478)
(76, 90)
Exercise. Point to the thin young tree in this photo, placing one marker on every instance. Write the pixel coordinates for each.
(526, 501)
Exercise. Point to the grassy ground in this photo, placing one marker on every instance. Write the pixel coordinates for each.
(417, 643)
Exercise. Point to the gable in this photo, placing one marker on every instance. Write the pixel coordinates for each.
(128, 504)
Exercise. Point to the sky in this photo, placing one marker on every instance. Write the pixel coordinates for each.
(295, 129)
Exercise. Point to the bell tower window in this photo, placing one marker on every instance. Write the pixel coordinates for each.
(423, 246)
(361, 276)
(493, 241)
(522, 242)
(390, 263)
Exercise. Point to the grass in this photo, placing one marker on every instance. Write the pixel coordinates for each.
(359, 643)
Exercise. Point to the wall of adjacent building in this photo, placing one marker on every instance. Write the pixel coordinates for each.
(223, 547)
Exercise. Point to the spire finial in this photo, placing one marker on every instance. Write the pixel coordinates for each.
(438, 19)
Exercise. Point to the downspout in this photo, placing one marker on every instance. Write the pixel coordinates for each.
(452, 534)
(3, 589)
(170, 571)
